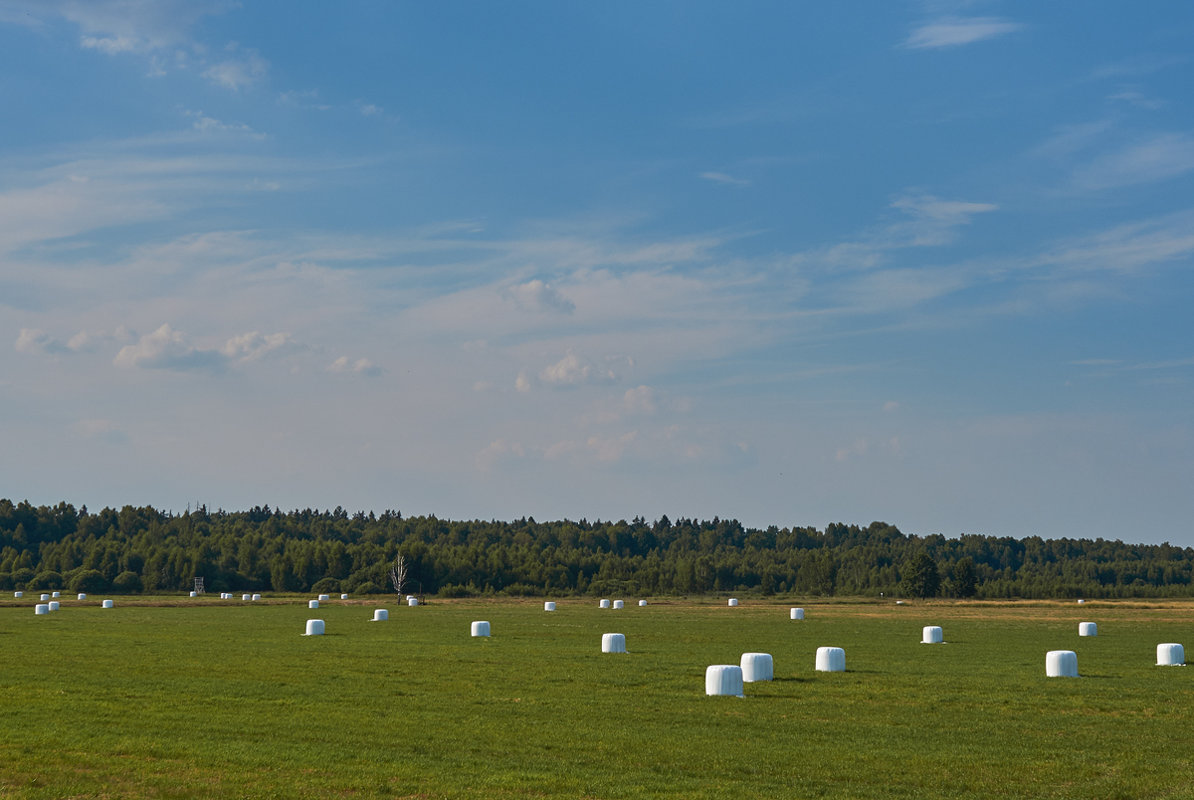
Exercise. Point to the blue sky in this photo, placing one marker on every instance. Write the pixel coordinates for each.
(788, 262)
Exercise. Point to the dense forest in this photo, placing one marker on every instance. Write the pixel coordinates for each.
(144, 550)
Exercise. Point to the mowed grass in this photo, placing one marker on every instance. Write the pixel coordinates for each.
(209, 698)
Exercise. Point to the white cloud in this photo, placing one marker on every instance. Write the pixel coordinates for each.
(723, 178)
(206, 124)
(957, 31)
(169, 349)
(536, 295)
(240, 72)
(255, 346)
(639, 400)
(361, 366)
(1157, 158)
(575, 370)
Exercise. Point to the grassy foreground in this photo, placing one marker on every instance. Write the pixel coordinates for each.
(209, 698)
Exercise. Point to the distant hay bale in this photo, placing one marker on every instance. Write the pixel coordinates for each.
(45, 597)
(1081, 601)
(314, 627)
(55, 595)
(723, 680)
(1171, 655)
(733, 602)
(41, 608)
(603, 604)
(549, 606)
(108, 604)
(343, 597)
(642, 603)
(82, 596)
(613, 643)
(412, 601)
(899, 602)
(796, 613)
(380, 615)
(256, 597)
(323, 598)
(757, 667)
(480, 628)
(931, 634)
(54, 605)
(193, 594)
(1061, 664)
(246, 597)
(831, 659)
(18, 595)
(312, 604)
(619, 604)
(1088, 629)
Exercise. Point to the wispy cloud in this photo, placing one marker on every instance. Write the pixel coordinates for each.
(360, 366)
(723, 178)
(958, 31)
(242, 69)
(1158, 157)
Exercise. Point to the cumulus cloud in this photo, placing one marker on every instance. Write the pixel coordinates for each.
(360, 366)
(575, 370)
(169, 349)
(639, 400)
(255, 346)
(536, 295)
(34, 340)
(957, 31)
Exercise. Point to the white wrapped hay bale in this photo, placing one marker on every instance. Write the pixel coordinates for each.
(549, 606)
(41, 608)
(82, 596)
(314, 627)
(642, 603)
(45, 597)
(54, 605)
(312, 604)
(108, 604)
(931, 634)
(256, 597)
(55, 595)
(193, 594)
(613, 643)
(723, 680)
(603, 604)
(323, 598)
(1088, 629)
(480, 628)
(796, 613)
(1081, 601)
(757, 667)
(343, 597)
(733, 601)
(246, 597)
(18, 595)
(380, 615)
(1061, 664)
(831, 659)
(412, 601)
(619, 604)
(1171, 655)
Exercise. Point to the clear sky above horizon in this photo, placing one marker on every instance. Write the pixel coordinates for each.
(788, 262)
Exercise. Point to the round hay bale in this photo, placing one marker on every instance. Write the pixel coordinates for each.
(1171, 655)
(18, 595)
(1081, 601)
(480, 628)
(55, 595)
(54, 605)
(613, 643)
(723, 680)
(603, 604)
(831, 659)
(380, 615)
(412, 601)
(82, 596)
(733, 602)
(323, 598)
(314, 627)
(1088, 629)
(193, 594)
(549, 606)
(45, 597)
(931, 634)
(642, 603)
(108, 604)
(796, 613)
(312, 604)
(256, 597)
(619, 604)
(757, 667)
(1061, 664)
(41, 608)
(343, 597)
(246, 597)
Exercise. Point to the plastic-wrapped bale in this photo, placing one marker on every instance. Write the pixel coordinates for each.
(255, 597)
(642, 603)
(343, 597)
(831, 659)
(480, 628)
(1171, 655)
(380, 615)
(193, 594)
(733, 601)
(619, 604)
(412, 601)
(931, 634)
(323, 598)
(757, 667)
(41, 608)
(55, 595)
(82, 596)
(45, 597)
(246, 597)
(549, 606)
(603, 604)
(1061, 664)
(314, 627)
(312, 604)
(108, 604)
(54, 605)
(613, 643)
(1081, 601)
(723, 680)
(796, 613)
(18, 595)
(1088, 629)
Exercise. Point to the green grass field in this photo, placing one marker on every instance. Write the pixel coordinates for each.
(178, 698)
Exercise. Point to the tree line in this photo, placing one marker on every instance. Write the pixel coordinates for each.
(142, 549)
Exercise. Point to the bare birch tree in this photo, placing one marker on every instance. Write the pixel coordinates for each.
(398, 573)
